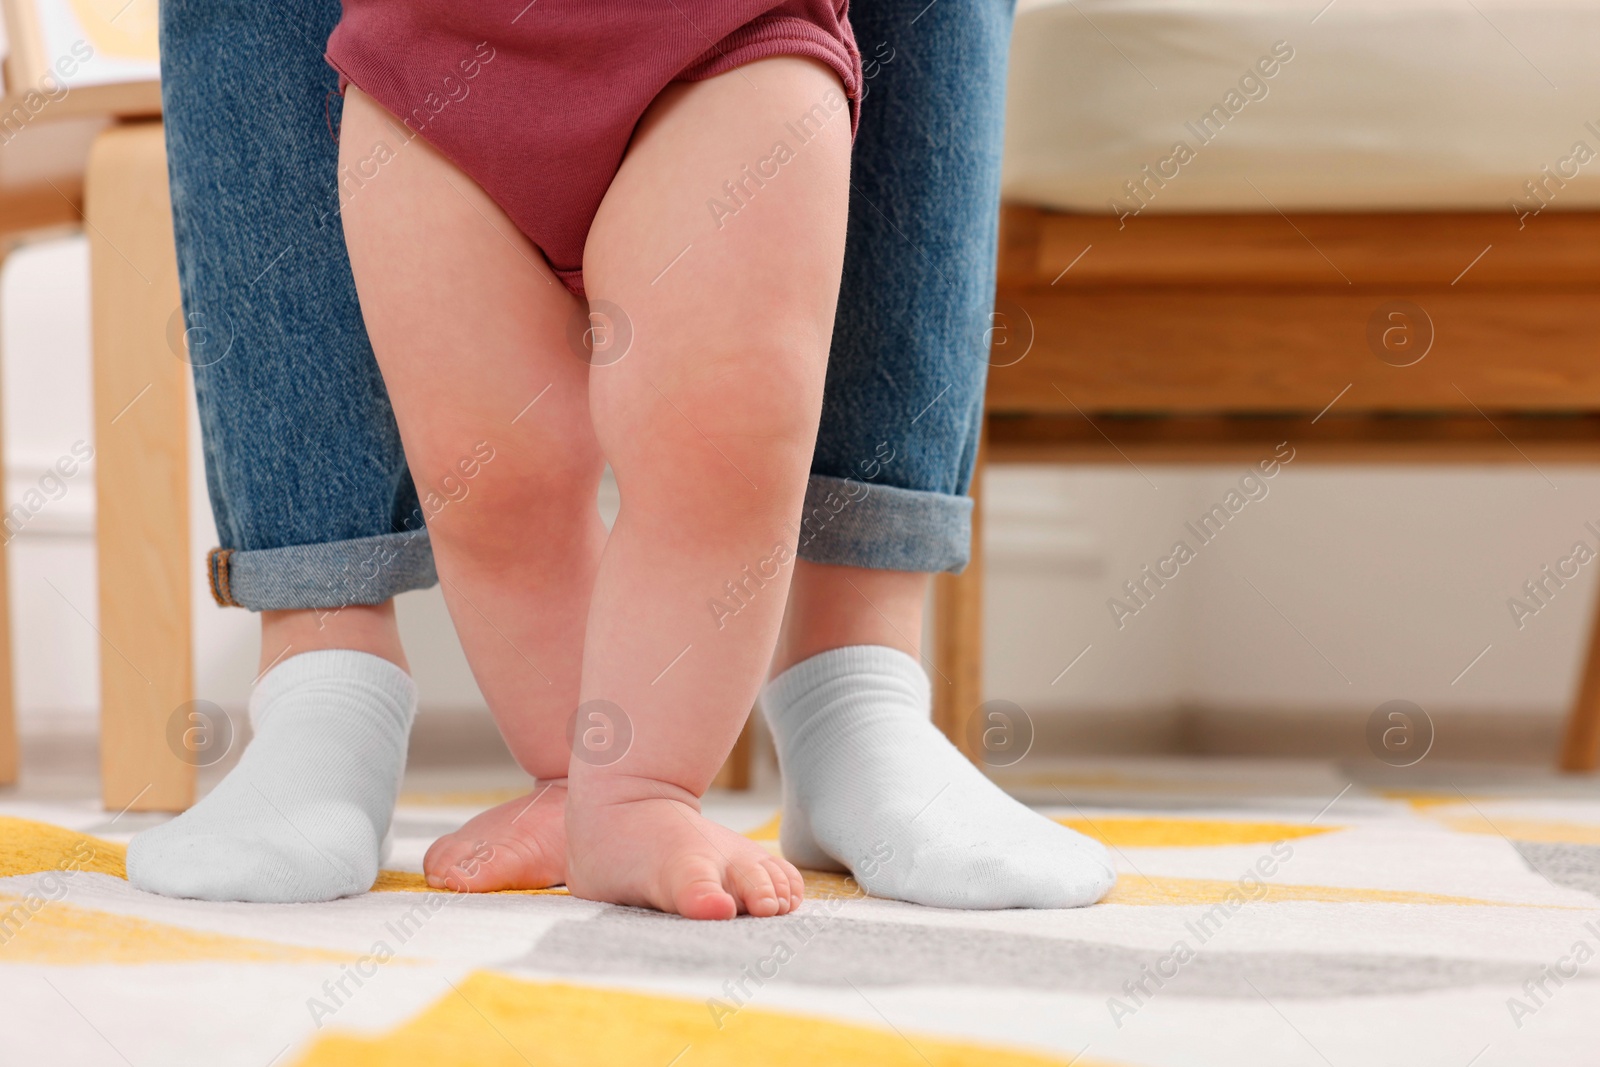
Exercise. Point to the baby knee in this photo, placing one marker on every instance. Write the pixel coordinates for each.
(757, 405)
(511, 498)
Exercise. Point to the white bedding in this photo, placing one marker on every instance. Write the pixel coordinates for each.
(1382, 104)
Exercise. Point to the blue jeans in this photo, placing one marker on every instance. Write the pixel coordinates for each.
(314, 505)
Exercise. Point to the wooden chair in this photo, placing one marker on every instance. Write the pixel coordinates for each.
(1452, 338)
(105, 172)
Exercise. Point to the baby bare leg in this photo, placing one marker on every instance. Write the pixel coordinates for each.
(470, 327)
(721, 241)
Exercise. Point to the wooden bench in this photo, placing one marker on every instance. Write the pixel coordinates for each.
(1361, 338)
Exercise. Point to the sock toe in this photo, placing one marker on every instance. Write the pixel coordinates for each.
(868, 779)
(992, 875)
(210, 866)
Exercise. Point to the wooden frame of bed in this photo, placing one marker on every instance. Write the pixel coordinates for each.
(1360, 338)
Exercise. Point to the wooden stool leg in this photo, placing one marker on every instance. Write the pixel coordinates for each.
(1581, 749)
(10, 757)
(10, 749)
(958, 633)
(142, 486)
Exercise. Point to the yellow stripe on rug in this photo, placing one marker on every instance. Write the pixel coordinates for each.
(492, 1020)
(1152, 832)
(412, 882)
(1425, 801)
(1134, 890)
(1175, 785)
(1544, 831)
(52, 932)
(1147, 832)
(1138, 891)
(28, 847)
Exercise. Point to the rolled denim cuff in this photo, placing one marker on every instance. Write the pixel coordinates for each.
(362, 570)
(851, 523)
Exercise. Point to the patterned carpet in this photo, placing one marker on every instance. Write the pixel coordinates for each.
(1278, 922)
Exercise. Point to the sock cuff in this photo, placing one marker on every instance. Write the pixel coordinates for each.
(335, 666)
(786, 695)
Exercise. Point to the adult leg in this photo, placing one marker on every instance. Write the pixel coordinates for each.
(887, 505)
(710, 424)
(319, 522)
(470, 328)
(869, 784)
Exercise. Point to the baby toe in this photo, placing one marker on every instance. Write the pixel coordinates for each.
(442, 864)
(782, 883)
(695, 891)
(797, 883)
(752, 883)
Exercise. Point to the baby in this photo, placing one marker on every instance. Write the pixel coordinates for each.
(590, 233)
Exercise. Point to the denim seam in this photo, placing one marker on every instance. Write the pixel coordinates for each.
(217, 577)
(854, 523)
(322, 576)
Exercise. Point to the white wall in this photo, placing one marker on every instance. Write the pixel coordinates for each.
(1369, 584)
(1399, 577)
(44, 336)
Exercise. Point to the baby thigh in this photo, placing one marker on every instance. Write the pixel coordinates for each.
(720, 244)
(469, 328)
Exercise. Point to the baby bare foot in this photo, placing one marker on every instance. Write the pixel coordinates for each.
(521, 844)
(660, 852)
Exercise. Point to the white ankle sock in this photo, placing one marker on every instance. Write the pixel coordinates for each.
(870, 785)
(304, 814)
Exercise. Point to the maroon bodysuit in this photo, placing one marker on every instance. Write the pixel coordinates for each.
(536, 101)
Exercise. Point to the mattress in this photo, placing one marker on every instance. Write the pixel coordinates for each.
(1127, 106)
